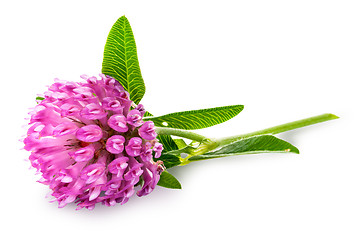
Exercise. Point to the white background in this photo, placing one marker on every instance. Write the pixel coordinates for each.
(284, 60)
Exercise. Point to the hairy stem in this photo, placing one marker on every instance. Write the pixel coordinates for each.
(280, 128)
(180, 133)
(207, 144)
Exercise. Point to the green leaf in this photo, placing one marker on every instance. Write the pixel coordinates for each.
(168, 181)
(39, 98)
(147, 114)
(180, 143)
(197, 119)
(258, 144)
(170, 160)
(167, 142)
(120, 59)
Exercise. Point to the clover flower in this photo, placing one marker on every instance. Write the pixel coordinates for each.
(90, 143)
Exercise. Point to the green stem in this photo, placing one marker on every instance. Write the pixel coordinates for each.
(180, 133)
(207, 144)
(280, 128)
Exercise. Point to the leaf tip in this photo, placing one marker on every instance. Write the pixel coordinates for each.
(241, 107)
(168, 181)
(332, 116)
(295, 150)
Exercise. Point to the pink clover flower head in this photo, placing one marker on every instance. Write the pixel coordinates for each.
(90, 145)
